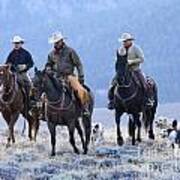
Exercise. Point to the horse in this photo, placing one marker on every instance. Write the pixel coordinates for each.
(129, 98)
(12, 103)
(63, 109)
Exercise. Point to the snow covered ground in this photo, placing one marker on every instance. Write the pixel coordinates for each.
(148, 160)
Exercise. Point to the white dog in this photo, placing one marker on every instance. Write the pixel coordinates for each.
(97, 136)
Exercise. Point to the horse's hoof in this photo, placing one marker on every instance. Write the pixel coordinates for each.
(53, 154)
(151, 136)
(76, 151)
(120, 141)
(85, 151)
(133, 142)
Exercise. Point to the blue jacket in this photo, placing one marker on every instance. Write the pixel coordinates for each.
(18, 57)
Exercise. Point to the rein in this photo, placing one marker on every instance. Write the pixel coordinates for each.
(124, 100)
(52, 104)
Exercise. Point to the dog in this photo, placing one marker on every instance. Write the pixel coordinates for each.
(97, 136)
(162, 123)
(174, 134)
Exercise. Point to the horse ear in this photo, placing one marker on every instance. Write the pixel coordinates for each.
(35, 69)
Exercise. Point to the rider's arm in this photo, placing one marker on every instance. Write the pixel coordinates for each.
(78, 64)
(29, 61)
(50, 62)
(139, 57)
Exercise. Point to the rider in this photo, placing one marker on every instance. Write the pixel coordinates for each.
(62, 61)
(21, 61)
(135, 58)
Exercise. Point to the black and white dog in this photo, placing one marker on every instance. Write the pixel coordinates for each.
(174, 134)
(97, 137)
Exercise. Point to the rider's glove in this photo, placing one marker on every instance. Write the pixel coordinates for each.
(22, 67)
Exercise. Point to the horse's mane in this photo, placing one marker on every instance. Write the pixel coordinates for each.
(55, 82)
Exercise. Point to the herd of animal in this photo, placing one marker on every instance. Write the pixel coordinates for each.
(62, 109)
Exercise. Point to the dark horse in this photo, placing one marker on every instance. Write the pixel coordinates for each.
(129, 98)
(12, 103)
(63, 109)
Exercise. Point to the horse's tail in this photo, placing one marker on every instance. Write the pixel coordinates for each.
(24, 127)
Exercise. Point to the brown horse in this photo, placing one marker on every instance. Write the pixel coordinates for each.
(12, 103)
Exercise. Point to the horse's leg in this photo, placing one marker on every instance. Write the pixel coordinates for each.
(12, 119)
(52, 130)
(71, 129)
(151, 118)
(36, 127)
(119, 136)
(30, 124)
(6, 116)
(138, 123)
(80, 132)
(9, 133)
(130, 126)
(133, 129)
(87, 129)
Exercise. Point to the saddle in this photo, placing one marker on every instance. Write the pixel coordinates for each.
(149, 82)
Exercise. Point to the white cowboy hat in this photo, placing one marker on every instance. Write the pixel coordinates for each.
(57, 36)
(17, 39)
(125, 37)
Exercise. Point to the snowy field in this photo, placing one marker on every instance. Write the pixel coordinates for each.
(148, 160)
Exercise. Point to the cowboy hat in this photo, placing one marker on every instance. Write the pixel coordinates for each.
(57, 36)
(125, 37)
(17, 39)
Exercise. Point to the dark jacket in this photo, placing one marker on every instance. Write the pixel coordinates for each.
(18, 57)
(65, 61)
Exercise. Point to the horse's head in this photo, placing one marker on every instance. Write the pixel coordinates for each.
(38, 81)
(44, 81)
(122, 70)
(4, 76)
